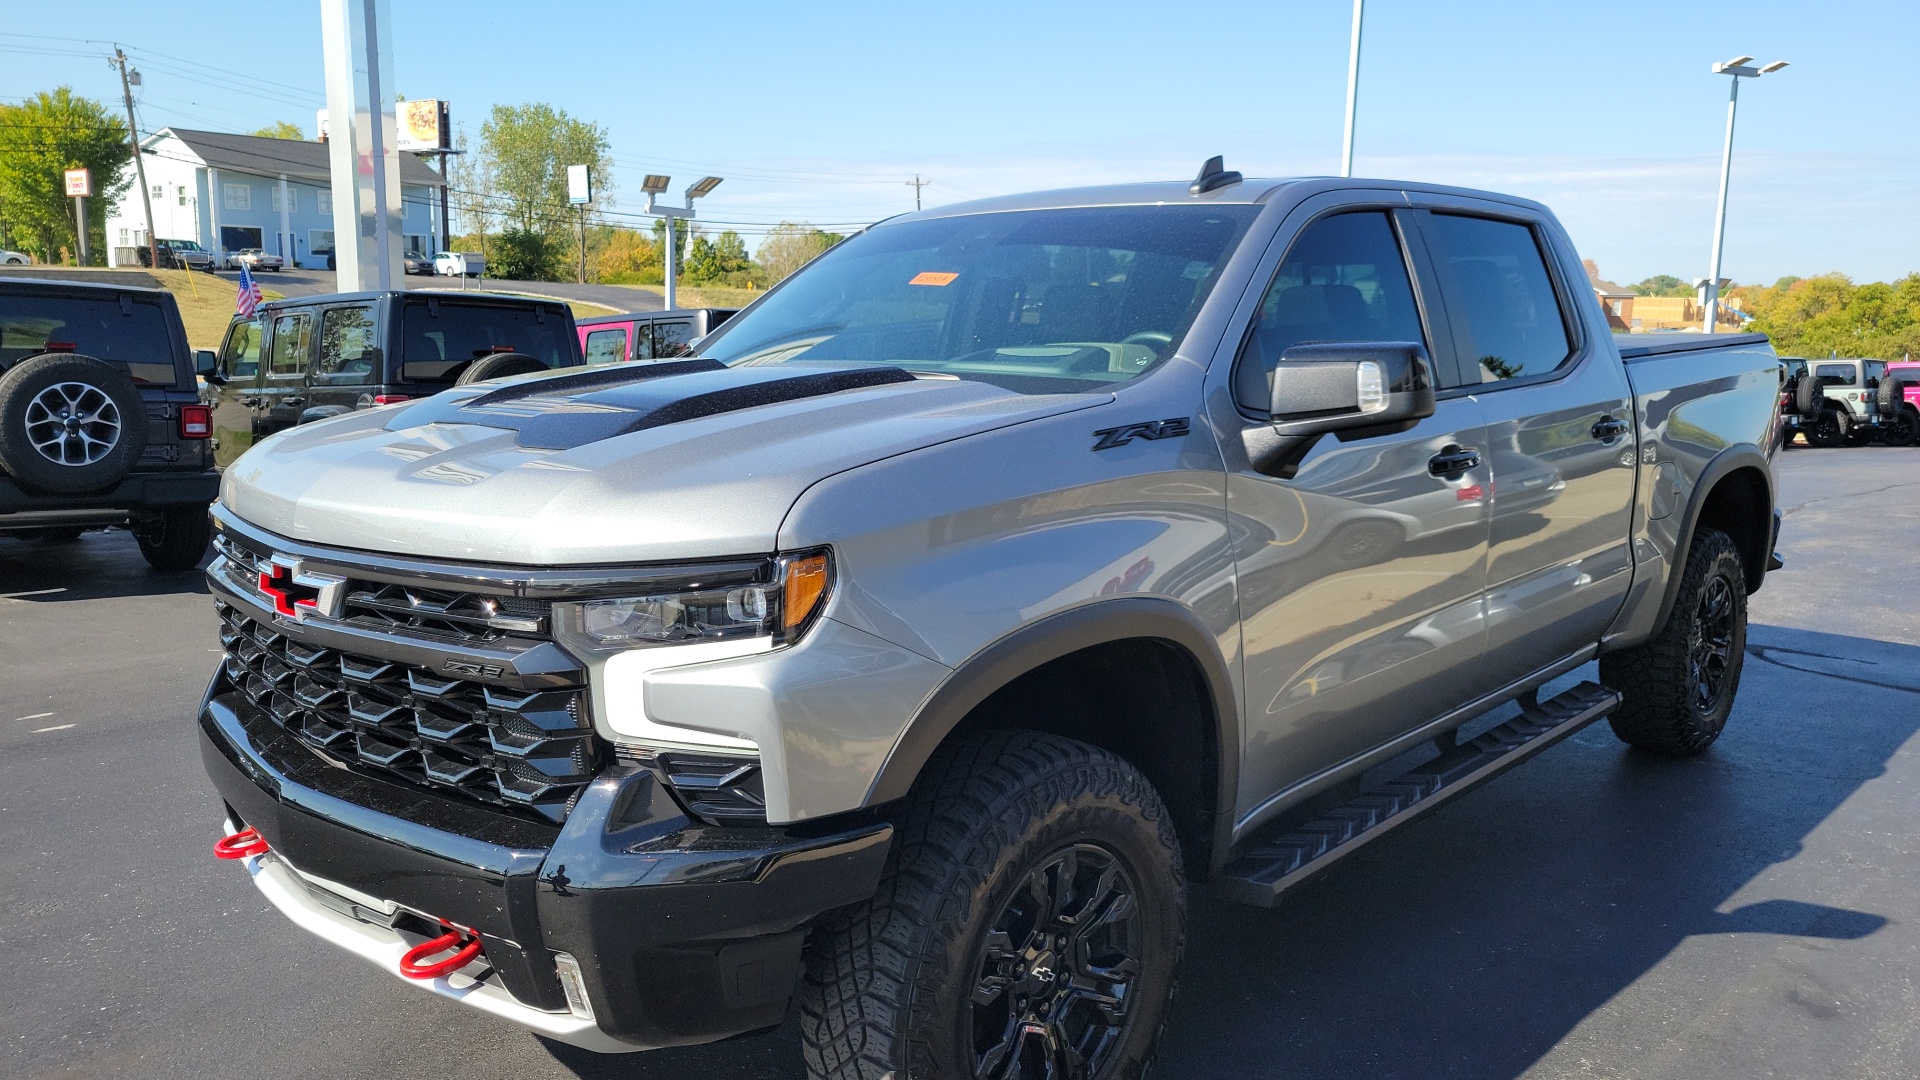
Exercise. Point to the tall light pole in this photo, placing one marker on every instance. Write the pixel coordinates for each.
(655, 185)
(1353, 89)
(1737, 68)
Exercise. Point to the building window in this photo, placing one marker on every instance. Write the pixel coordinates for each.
(293, 200)
(237, 196)
(183, 195)
(325, 201)
(159, 193)
(1616, 309)
(124, 238)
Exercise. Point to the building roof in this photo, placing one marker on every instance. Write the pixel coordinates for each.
(297, 160)
(1610, 291)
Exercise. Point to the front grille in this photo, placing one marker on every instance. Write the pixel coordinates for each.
(527, 751)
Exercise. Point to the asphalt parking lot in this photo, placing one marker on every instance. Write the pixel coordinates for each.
(1754, 912)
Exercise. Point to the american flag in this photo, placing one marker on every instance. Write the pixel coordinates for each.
(249, 297)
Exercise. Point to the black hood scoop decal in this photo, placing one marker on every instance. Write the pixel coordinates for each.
(565, 411)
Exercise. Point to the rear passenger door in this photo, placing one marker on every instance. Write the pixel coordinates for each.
(1560, 441)
(671, 338)
(607, 345)
(283, 393)
(348, 365)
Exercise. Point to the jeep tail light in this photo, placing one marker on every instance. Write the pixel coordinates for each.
(196, 421)
(391, 399)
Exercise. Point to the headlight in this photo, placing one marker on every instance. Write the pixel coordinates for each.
(779, 606)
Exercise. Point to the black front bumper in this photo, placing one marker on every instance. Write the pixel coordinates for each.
(685, 933)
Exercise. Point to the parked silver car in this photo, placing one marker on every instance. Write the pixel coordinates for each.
(254, 259)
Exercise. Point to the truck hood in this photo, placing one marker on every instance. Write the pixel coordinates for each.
(635, 463)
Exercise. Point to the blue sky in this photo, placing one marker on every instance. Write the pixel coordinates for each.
(823, 111)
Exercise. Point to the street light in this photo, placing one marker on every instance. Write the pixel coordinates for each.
(656, 185)
(1737, 68)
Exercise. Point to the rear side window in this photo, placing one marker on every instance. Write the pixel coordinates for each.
(240, 357)
(670, 339)
(1343, 279)
(288, 354)
(1500, 299)
(436, 339)
(607, 346)
(347, 351)
(133, 334)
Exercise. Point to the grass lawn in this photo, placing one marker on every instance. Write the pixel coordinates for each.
(691, 296)
(206, 303)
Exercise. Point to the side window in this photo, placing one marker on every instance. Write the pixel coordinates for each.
(643, 341)
(288, 354)
(347, 352)
(1342, 280)
(1500, 297)
(606, 346)
(240, 356)
(670, 339)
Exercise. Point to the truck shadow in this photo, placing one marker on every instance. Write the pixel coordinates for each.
(98, 565)
(1473, 943)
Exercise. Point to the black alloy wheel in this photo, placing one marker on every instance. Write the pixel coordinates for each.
(1827, 430)
(1710, 647)
(1051, 997)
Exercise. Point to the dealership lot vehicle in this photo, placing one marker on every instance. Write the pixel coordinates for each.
(313, 357)
(13, 258)
(415, 263)
(655, 335)
(460, 264)
(254, 259)
(1006, 568)
(100, 424)
(179, 255)
(1842, 405)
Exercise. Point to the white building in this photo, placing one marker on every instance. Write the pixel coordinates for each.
(239, 191)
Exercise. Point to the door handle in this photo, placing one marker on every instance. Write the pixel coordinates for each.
(1608, 428)
(1453, 461)
(293, 401)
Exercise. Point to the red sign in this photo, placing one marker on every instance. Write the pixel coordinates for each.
(79, 182)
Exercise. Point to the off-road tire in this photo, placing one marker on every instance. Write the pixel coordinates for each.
(1903, 429)
(499, 366)
(26, 391)
(173, 539)
(1808, 394)
(1828, 428)
(890, 982)
(1661, 707)
(1891, 395)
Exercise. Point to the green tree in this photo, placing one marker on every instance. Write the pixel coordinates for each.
(790, 246)
(1828, 313)
(679, 241)
(525, 255)
(1663, 285)
(527, 150)
(720, 261)
(40, 139)
(280, 129)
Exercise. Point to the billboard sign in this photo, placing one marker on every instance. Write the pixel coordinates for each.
(423, 126)
(579, 185)
(80, 182)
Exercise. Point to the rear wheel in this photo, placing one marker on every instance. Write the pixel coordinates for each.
(1903, 429)
(1829, 428)
(1678, 688)
(1029, 923)
(175, 538)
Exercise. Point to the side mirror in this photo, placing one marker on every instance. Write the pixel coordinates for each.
(205, 362)
(1356, 389)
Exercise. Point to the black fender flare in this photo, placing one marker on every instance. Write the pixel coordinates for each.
(1725, 463)
(1036, 643)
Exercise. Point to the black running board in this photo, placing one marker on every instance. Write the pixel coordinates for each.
(1270, 868)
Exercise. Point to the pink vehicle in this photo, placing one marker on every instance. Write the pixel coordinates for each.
(1903, 386)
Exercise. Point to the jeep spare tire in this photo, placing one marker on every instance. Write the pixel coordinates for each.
(1806, 396)
(1891, 396)
(499, 366)
(69, 424)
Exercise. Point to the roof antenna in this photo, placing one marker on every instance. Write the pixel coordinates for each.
(1213, 175)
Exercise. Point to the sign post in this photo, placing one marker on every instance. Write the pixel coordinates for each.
(580, 193)
(80, 185)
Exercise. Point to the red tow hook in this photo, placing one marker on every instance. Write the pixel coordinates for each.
(240, 845)
(465, 947)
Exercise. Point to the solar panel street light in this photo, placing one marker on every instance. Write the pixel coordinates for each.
(1736, 68)
(701, 187)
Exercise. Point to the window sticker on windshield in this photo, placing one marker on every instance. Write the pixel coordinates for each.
(933, 277)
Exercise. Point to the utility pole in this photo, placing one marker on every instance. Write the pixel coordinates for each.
(139, 164)
(1353, 89)
(916, 184)
(1740, 67)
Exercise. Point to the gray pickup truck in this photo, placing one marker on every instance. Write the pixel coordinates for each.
(1007, 571)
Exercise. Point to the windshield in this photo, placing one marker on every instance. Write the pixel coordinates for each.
(437, 339)
(1037, 301)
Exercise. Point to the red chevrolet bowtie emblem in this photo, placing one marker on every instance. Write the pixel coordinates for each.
(297, 593)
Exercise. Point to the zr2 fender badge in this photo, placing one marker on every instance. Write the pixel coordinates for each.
(1152, 429)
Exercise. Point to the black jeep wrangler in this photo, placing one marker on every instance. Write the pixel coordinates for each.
(305, 359)
(100, 419)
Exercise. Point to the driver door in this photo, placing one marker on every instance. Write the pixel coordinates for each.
(1362, 569)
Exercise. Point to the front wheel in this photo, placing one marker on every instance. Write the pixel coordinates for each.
(175, 538)
(1029, 923)
(1677, 689)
